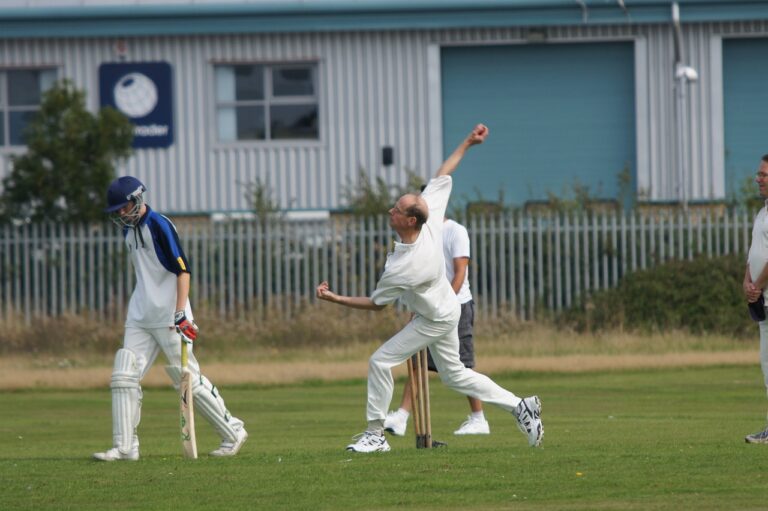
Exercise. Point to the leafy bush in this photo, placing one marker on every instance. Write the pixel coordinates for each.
(700, 296)
(744, 195)
(259, 197)
(375, 197)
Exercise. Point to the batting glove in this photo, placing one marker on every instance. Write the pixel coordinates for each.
(186, 327)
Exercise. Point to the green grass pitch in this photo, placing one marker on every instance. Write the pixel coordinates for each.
(664, 439)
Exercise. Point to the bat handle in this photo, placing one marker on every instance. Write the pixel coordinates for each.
(184, 354)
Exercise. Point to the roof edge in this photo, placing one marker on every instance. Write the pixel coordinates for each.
(347, 15)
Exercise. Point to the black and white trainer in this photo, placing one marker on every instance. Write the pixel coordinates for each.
(757, 438)
(369, 441)
(528, 414)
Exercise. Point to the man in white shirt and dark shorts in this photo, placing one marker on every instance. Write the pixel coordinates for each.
(415, 274)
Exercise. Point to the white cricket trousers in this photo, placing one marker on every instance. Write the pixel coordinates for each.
(146, 344)
(764, 351)
(443, 341)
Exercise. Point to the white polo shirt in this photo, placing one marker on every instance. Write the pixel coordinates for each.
(415, 272)
(157, 257)
(758, 250)
(455, 245)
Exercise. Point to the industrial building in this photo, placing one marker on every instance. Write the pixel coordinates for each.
(304, 95)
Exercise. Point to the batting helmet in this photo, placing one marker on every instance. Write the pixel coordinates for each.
(122, 191)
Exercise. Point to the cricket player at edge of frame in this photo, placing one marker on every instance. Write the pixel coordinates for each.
(414, 273)
(159, 315)
(756, 281)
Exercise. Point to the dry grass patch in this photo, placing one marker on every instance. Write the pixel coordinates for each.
(323, 333)
(504, 336)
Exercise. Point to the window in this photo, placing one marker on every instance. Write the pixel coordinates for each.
(266, 102)
(21, 91)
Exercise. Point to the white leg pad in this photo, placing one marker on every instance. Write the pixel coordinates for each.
(126, 401)
(209, 404)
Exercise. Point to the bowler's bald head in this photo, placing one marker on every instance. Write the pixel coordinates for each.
(414, 205)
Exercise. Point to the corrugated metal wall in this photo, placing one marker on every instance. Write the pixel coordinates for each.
(373, 93)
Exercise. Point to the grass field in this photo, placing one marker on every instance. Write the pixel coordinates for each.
(662, 439)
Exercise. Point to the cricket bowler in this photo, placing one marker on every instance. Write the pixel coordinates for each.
(414, 273)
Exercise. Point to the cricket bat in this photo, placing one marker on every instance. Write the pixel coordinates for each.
(188, 441)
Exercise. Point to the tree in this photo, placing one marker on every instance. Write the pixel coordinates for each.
(70, 160)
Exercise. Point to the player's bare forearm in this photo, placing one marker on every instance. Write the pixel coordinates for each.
(323, 292)
(450, 164)
(459, 273)
(359, 302)
(477, 136)
(761, 279)
(182, 290)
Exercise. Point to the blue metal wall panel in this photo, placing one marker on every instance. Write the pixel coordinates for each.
(745, 74)
(560, 115)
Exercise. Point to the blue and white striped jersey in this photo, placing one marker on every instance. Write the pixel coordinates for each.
(157, 257)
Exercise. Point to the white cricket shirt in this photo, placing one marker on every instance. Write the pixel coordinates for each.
(456, 244)
(157, 258)
(415, 272)
(758, 250)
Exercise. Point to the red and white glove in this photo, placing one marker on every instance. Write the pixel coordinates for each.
(186, 327)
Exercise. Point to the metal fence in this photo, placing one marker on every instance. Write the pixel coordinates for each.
(521, 263)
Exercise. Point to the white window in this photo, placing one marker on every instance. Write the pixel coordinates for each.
(21, 92)
(266, 102)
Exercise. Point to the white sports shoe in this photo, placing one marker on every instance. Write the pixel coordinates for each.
(369, 441)
(760, 437)
(528, 414)
(114, 454)
(473, 426)
(396, 423)
(230, 448)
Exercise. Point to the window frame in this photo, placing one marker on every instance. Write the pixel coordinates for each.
(268, 100)
(6, 108)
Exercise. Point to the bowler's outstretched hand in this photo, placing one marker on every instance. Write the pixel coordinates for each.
(478, 135)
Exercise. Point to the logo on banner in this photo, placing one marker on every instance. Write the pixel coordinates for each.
(142, 91)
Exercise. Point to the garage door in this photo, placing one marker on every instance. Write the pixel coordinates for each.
(561, 115)
(745, 102)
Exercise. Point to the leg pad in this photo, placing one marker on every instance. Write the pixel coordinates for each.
(126, 401)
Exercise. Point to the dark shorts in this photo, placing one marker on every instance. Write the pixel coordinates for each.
(466, 341)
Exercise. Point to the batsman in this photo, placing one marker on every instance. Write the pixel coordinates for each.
(414, 273)
(159, 317)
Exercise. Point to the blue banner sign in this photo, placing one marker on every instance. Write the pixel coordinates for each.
(143, 91)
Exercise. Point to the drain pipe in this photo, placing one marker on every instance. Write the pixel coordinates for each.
(584, 11)
(683, 76)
